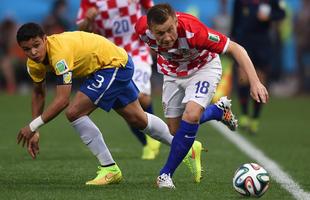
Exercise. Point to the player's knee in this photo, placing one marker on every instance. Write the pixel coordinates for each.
(190, 116)
(172, 129)
(71, 114)
(144, 100)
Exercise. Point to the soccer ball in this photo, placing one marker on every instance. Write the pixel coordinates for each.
(251, 179)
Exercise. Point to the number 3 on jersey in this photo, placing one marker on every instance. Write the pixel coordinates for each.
(97, 85)
(122, 26)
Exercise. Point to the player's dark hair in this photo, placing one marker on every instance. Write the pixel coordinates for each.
(28, 31)
(159, 14)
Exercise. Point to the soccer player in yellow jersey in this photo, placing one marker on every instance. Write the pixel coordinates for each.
(108, 71)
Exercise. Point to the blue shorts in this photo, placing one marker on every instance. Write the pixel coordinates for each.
(111, 88)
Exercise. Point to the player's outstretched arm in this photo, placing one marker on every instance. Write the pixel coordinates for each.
(37, 106)
(59, 103)
(258, 91)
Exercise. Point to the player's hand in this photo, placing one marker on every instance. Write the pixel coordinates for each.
(33, 145)
(24, 135)
(259, 92)
(92, 13)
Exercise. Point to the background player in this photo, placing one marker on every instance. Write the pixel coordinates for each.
(252, 22)
(115, 19)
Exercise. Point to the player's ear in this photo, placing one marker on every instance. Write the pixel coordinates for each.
(44, 38)
(175, 19)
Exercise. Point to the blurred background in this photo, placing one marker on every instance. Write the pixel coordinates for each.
(290, 73)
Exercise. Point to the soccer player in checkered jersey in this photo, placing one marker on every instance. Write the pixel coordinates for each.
(115, 19)
(188, 56)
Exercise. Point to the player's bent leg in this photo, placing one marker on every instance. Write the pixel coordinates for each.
(228, 118)
(107, 175)
(89, 133)
(148, 123)
(151, 147)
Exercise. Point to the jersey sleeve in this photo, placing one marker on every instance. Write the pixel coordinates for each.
(36, 72)
(84, 6)
(207, 38)
(63, 62)
(63, 69)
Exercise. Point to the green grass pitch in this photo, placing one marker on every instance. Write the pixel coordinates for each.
(64, 163)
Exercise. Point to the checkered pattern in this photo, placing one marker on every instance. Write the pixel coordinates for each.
(116, 22)
(196, 45)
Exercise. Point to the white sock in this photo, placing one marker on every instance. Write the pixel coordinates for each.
(158, 129)
(92, 138)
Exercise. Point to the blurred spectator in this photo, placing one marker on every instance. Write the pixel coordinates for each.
(7, 41)
(222, 23)
(252, 23)
(57, 21)
(302, 30)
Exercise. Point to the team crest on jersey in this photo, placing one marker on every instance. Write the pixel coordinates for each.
(61, 67)
(214, 38)
(67, 78)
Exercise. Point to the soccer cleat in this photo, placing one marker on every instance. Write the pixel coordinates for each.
(165, 181)
(228, 118)
(244, 122)
(147, 153)
(154, 144)
(107, 175)
(193, 161)
(253, 128)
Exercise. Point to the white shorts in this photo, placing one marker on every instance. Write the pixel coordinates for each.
(142, 75)
(199, 87)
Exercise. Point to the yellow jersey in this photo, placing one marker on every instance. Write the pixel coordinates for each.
(78, 52)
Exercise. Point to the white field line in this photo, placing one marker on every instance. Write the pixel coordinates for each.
(271, 166)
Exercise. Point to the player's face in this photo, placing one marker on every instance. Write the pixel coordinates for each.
(35, 48)
(165, 34)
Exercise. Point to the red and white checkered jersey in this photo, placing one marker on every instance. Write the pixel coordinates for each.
(116, 22)
(196, 45)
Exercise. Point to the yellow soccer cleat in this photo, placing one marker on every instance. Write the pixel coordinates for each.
(193, 161)
(147, 153)
(151, 149)
(254, 125)
(154, 144)
(244, 122)
(106, 176)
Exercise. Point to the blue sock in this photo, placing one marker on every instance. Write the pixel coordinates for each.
(141, 136)
(181, 144)
(149, 109)
(210, 113)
